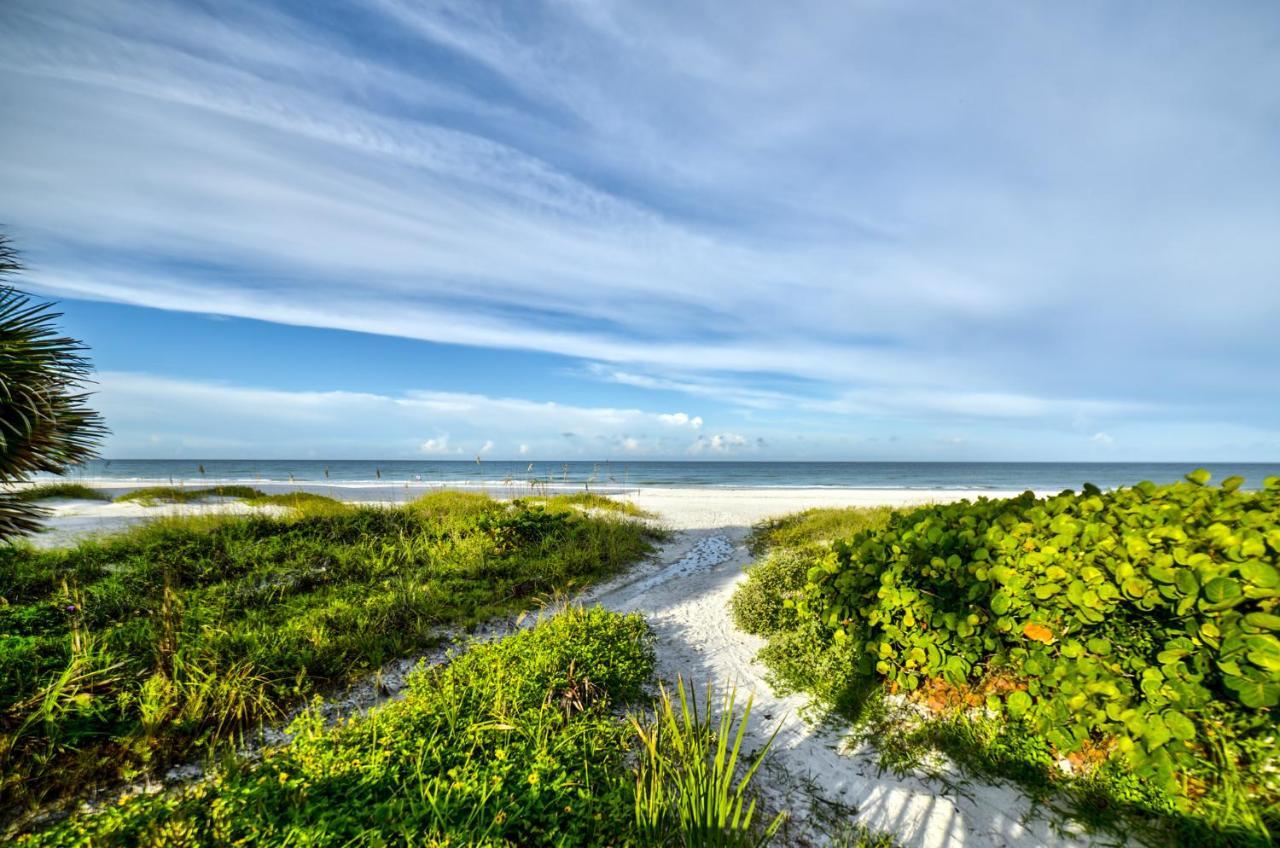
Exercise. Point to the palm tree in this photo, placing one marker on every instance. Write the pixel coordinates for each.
(45, 424)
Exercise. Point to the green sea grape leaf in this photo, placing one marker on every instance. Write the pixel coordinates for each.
(1180, 726)
(1200, 476)
(1261, 574)
(1221, 589)
(1232, 483)
(1186, 581)
(1155, 732)
(1261, 621)
(1254, 691)
(1018, 703)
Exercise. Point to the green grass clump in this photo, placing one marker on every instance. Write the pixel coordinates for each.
(691, 788)
(298, 500)
(590, 500)
(1135, 633)
(48, 491)
(515, 742)
(817, 526)
(128, 653)
(179, 494)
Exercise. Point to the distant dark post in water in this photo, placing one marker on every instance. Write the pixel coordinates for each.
(200, 468)
(326, 472)
(377, 472)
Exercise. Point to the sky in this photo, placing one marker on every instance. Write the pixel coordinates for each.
(657, 230)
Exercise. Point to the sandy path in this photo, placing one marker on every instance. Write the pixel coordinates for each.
(685, 596)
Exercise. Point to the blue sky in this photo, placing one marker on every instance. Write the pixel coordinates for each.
(601, 230)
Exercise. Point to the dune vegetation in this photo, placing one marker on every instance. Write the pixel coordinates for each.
(150, 495)
(1115, 653)
(129, 653)
(51, 491)
(545, 737)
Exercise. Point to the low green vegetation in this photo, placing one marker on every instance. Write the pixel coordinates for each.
(49, 491)
(149, 495)
(128, 653)
(690, 781)
(856, 836)
(1134, 635)
(590, 500)
(308, 501)
(521, 741)
(816, 527)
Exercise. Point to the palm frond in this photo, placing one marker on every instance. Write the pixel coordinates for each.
(46, 424)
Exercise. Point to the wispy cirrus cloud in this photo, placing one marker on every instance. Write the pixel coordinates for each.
(910, 213)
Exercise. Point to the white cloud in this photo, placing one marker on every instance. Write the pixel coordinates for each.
(438, 445)
(342, 423)
(1103, 439)
(719, 443)
(681, 419)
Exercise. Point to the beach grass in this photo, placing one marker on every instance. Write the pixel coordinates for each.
(129, 653)
(70, 491)
(307, 501)
(517, 741)
(549, 736)
(817, 526)
(591, 500)
(149, 495)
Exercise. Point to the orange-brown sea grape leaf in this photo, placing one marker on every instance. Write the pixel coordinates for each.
(1038, 632)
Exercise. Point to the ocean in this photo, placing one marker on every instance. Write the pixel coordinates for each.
(622, 476)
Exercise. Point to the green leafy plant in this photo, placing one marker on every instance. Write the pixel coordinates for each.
(45, 422)
(1138, 626)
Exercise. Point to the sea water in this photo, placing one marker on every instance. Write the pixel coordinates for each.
(620, 476)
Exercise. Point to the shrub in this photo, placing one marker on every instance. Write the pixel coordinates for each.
(760, 605)
(1141, 622)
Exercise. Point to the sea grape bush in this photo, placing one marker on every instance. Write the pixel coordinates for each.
(1143, 622)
